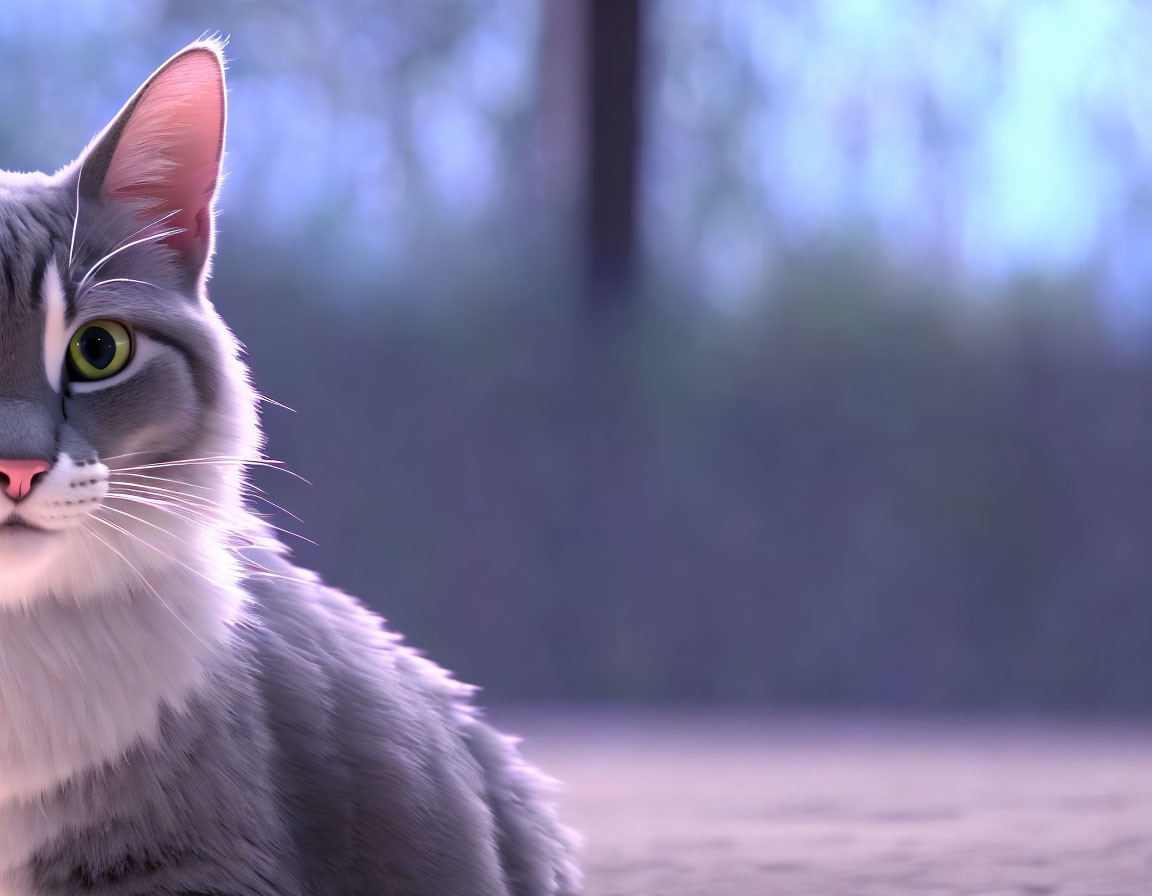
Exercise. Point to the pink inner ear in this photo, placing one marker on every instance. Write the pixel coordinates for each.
(169, 153)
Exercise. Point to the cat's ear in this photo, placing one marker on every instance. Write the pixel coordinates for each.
(162, 152)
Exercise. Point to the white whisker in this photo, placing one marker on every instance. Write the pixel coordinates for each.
(159, 220)
(149, 544)
(277, 507)
(199, 500)
(221, 458)
(217, 461)
(163, 234)
(141, 519)
(254, 491)
(263, 571)
(100, 283)
(273, 401)
(203, 511)
(263, 574)
(183, 482)
(75, 215)
(168, 505)
(143, 579)
(129, 454)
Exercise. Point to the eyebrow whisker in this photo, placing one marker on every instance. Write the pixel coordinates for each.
(163, 234)
(76, 214)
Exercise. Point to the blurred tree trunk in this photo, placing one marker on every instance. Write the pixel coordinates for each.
(589, 134)
(613, 48)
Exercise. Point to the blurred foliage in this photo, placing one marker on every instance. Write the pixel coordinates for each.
(357, 127)
(984, 137)
(863, 490)
(981, 136)
(829, 459)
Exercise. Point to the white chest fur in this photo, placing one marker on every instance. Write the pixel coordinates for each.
(80, 683)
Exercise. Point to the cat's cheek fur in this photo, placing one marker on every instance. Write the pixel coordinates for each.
(154, 408)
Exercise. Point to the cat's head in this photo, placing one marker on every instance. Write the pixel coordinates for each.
(124, 410)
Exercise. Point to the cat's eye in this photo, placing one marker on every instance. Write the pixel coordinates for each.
(99, 349)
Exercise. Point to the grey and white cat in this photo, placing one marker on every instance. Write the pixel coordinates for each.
(183, 711)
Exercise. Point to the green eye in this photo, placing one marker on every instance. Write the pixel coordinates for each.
(99, 349)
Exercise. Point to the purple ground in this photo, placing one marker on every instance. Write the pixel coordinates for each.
(717, 805)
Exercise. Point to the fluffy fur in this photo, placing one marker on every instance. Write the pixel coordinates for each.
(182, 711)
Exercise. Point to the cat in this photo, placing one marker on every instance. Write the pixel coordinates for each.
(183, 712)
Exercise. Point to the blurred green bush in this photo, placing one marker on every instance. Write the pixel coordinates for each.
(869, 487)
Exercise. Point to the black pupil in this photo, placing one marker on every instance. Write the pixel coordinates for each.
(98, 347)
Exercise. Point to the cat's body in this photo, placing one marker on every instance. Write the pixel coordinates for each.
(320, 757)
(182, 711)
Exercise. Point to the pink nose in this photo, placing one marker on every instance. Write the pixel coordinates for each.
(21, 475)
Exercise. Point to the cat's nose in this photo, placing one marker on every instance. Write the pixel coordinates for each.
(21, 475)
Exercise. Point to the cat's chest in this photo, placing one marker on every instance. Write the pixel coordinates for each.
(81, 684)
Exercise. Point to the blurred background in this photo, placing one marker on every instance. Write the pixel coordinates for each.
(769, 355)
(681, 351)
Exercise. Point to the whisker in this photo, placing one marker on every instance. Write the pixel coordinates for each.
(223, 458)
(126, 471)
(201, 513)
(263, 571)
(76, 215)
(199, 500)
(100, 283)
(183, 482)
(84, 242)
(120, 475)
(278, 507)
(159, 220)
(143, 579)
(248, 490)
(232, 458)
(274, 402)
(163, 234)
(218, 461)
(140, 230)
(203, 502)
(129, 454)
(284, 531)
(141, 519)
(205, 511)
(149, 544)
(267, 574)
